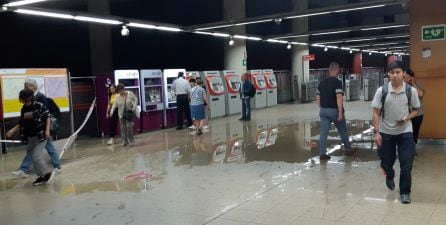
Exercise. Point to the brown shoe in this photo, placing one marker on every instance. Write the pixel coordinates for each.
(324, 157)
(351, 152)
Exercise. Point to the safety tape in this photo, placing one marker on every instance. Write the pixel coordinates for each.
(73, 137)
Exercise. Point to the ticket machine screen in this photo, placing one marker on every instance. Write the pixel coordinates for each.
(261, 82)
(215, 87)
(235, 85)
(272, 81)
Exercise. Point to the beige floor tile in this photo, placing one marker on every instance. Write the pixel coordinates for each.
(221, 221)
(275, 219)
(364, 218)
(393, 219)
(312, 221)
(437, 222)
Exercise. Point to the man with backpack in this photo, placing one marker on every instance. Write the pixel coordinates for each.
(23, 171)
(246, 93)
(393, 128)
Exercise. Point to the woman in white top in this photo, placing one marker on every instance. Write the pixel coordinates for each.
(126, 102)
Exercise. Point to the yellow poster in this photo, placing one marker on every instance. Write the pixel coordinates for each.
(51, 82)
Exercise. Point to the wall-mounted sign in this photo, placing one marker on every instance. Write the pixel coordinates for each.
(433, 32)
(309, 57)
(427, 53)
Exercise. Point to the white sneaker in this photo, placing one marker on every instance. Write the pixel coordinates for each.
(110, 142)
(206, 127)
(58, 170)
(20, 173)
(192, 127)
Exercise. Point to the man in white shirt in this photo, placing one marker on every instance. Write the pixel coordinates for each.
(393, 128)
(182, 89)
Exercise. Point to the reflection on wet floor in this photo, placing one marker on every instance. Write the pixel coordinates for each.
(270, 141)
(287, 142)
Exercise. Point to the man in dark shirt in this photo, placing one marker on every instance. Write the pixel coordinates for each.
(330, 101)
(245, 89)
(35, 130)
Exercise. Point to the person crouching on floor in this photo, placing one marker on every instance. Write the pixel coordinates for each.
(35, 125)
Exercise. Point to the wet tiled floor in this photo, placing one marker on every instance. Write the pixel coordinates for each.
(261, 172)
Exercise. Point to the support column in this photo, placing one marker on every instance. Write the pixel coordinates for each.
(429, 71)
(101, 53)
(300, 69)
(235, 54)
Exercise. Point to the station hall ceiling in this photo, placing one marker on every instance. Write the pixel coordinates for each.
(351, 24)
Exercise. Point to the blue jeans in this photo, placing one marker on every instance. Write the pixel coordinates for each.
(246, 108)
(406, 152)
(328, 116)
(50, 148)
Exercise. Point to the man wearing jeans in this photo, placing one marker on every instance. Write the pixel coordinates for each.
(329, 98)
(245, 89)
(23, 171)
(393, 128)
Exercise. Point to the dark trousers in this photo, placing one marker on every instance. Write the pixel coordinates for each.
(113, 120)
(183, 107)
(416, 124)
(403, 143)
(246, 108)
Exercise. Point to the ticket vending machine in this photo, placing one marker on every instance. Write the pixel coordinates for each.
(232, 84)
(258, 80)
(216, 93)
(271, 84)
(170, 97)
(131, 80)
(152, 99)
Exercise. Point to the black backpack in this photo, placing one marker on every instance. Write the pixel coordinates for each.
(53, 108)
(253, 91)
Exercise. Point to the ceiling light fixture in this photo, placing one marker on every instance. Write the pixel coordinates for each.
(213, 34)
(299, 43)
(24, 2)
(332, 32)
(43, 13)
(97, 20)
(289, 46)
(247, 38)
(231, 42)
(306, 15)
(253, 22)
(172, 29)
(214, 27)
(359, 8)
(325, 49)
(276, 41)
(125, 31)
(142, 25)
(220, 34)
(4, 8)
(385, 27)
(351, 51)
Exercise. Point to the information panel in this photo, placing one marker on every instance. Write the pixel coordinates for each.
(51, 82)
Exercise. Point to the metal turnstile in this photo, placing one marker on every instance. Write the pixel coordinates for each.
(309, 89)
(352, 90)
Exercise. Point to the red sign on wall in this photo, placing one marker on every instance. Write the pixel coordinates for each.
(309, 57)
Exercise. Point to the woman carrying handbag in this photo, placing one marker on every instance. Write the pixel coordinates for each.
(126, 102)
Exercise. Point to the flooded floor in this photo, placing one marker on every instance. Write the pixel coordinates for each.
(261, 172)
